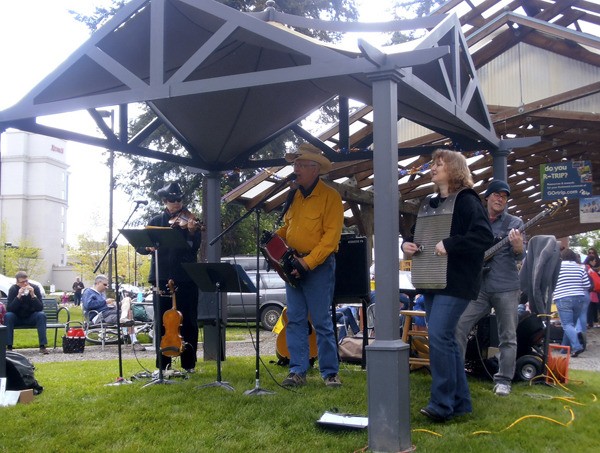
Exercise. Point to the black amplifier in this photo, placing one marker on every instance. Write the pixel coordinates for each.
(352, 267)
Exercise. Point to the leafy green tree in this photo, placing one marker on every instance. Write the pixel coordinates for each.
(86, 255)
(410, 9)
(582, 242)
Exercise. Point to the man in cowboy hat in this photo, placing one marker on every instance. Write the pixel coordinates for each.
(312, 227)
(499, 286)
(169, 267)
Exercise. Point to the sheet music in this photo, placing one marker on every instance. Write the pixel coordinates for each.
(347, 420)
(7, 397)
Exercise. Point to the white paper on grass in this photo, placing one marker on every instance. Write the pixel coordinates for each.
(343, 420)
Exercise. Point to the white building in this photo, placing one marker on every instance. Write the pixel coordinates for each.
(34, 182)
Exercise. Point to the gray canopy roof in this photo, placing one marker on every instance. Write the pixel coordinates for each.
(225, 83)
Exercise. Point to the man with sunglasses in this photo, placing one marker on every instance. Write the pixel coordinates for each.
(170, 267)
(94, 299)
(25, 308)
(499, 286)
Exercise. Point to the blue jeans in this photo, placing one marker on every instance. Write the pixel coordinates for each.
(569, 310)
(449, 388)
(37, 319)
(345, 316)
(582, 321)
(505, 306)
(314, 296)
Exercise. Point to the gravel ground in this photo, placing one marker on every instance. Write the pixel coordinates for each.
(110, 352)
(589, 360)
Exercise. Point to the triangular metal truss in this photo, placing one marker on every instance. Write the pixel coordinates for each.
(226, 83)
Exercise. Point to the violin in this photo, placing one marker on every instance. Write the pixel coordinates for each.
(171, 344)
(184, 219)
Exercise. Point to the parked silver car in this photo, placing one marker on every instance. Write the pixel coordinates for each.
(241, 307)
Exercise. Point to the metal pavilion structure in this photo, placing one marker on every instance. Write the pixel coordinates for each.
(226, 83)
(538, 66)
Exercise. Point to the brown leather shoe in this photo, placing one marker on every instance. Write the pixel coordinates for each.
(43, 350)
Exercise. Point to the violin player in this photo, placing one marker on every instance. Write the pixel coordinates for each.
(176, 216)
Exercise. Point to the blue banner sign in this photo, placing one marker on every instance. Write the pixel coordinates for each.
(571, 179)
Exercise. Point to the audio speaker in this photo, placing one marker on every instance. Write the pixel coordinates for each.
(351, 267)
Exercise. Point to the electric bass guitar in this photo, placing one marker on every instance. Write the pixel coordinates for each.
(281, 258)
(550, 209)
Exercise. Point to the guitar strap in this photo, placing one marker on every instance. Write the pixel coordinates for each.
(505, 222)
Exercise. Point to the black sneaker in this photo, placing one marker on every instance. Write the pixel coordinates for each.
(294, 380)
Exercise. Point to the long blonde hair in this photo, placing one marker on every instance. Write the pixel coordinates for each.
(459, 175)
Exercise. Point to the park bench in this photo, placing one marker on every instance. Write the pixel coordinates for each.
(52, 310)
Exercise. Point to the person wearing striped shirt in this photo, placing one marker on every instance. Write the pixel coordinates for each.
(569, 296)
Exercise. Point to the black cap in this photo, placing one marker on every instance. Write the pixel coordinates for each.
(497, 186)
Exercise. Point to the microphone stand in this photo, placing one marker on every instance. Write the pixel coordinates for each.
(257, 390)
(113, 248)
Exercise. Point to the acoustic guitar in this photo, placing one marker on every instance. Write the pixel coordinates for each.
(171, 344)
(282, 352)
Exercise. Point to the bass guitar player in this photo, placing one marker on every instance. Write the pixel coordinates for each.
(500, 286)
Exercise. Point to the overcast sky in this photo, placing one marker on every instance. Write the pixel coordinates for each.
(35, 37)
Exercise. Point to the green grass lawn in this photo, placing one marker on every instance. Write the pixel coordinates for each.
(77, 412)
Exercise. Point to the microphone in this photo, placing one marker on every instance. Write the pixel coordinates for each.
(291, 177)
(144, 202)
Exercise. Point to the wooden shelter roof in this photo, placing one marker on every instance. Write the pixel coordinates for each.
(566, 121)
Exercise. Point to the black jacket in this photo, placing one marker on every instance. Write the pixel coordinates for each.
(26, 305)
(170, 260)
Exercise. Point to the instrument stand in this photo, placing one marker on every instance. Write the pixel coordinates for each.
(256, 391)
(156, 238)
(220, 278)
(156, 307)
(120, 380)
(218, 382)
(113, 248)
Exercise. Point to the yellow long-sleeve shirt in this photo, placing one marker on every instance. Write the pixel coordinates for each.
(313, 225)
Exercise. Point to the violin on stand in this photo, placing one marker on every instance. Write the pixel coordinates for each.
(171, 344)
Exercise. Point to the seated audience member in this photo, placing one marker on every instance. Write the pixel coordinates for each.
(94, 299)
(25, 308)
(2, 313)
(420, 321)
(345, 316)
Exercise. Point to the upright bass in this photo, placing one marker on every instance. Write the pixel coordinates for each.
(171, 344)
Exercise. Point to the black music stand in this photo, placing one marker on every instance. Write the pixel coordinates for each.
(156, 237)
(219, 278)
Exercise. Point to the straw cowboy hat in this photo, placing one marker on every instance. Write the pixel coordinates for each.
(307, 151)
